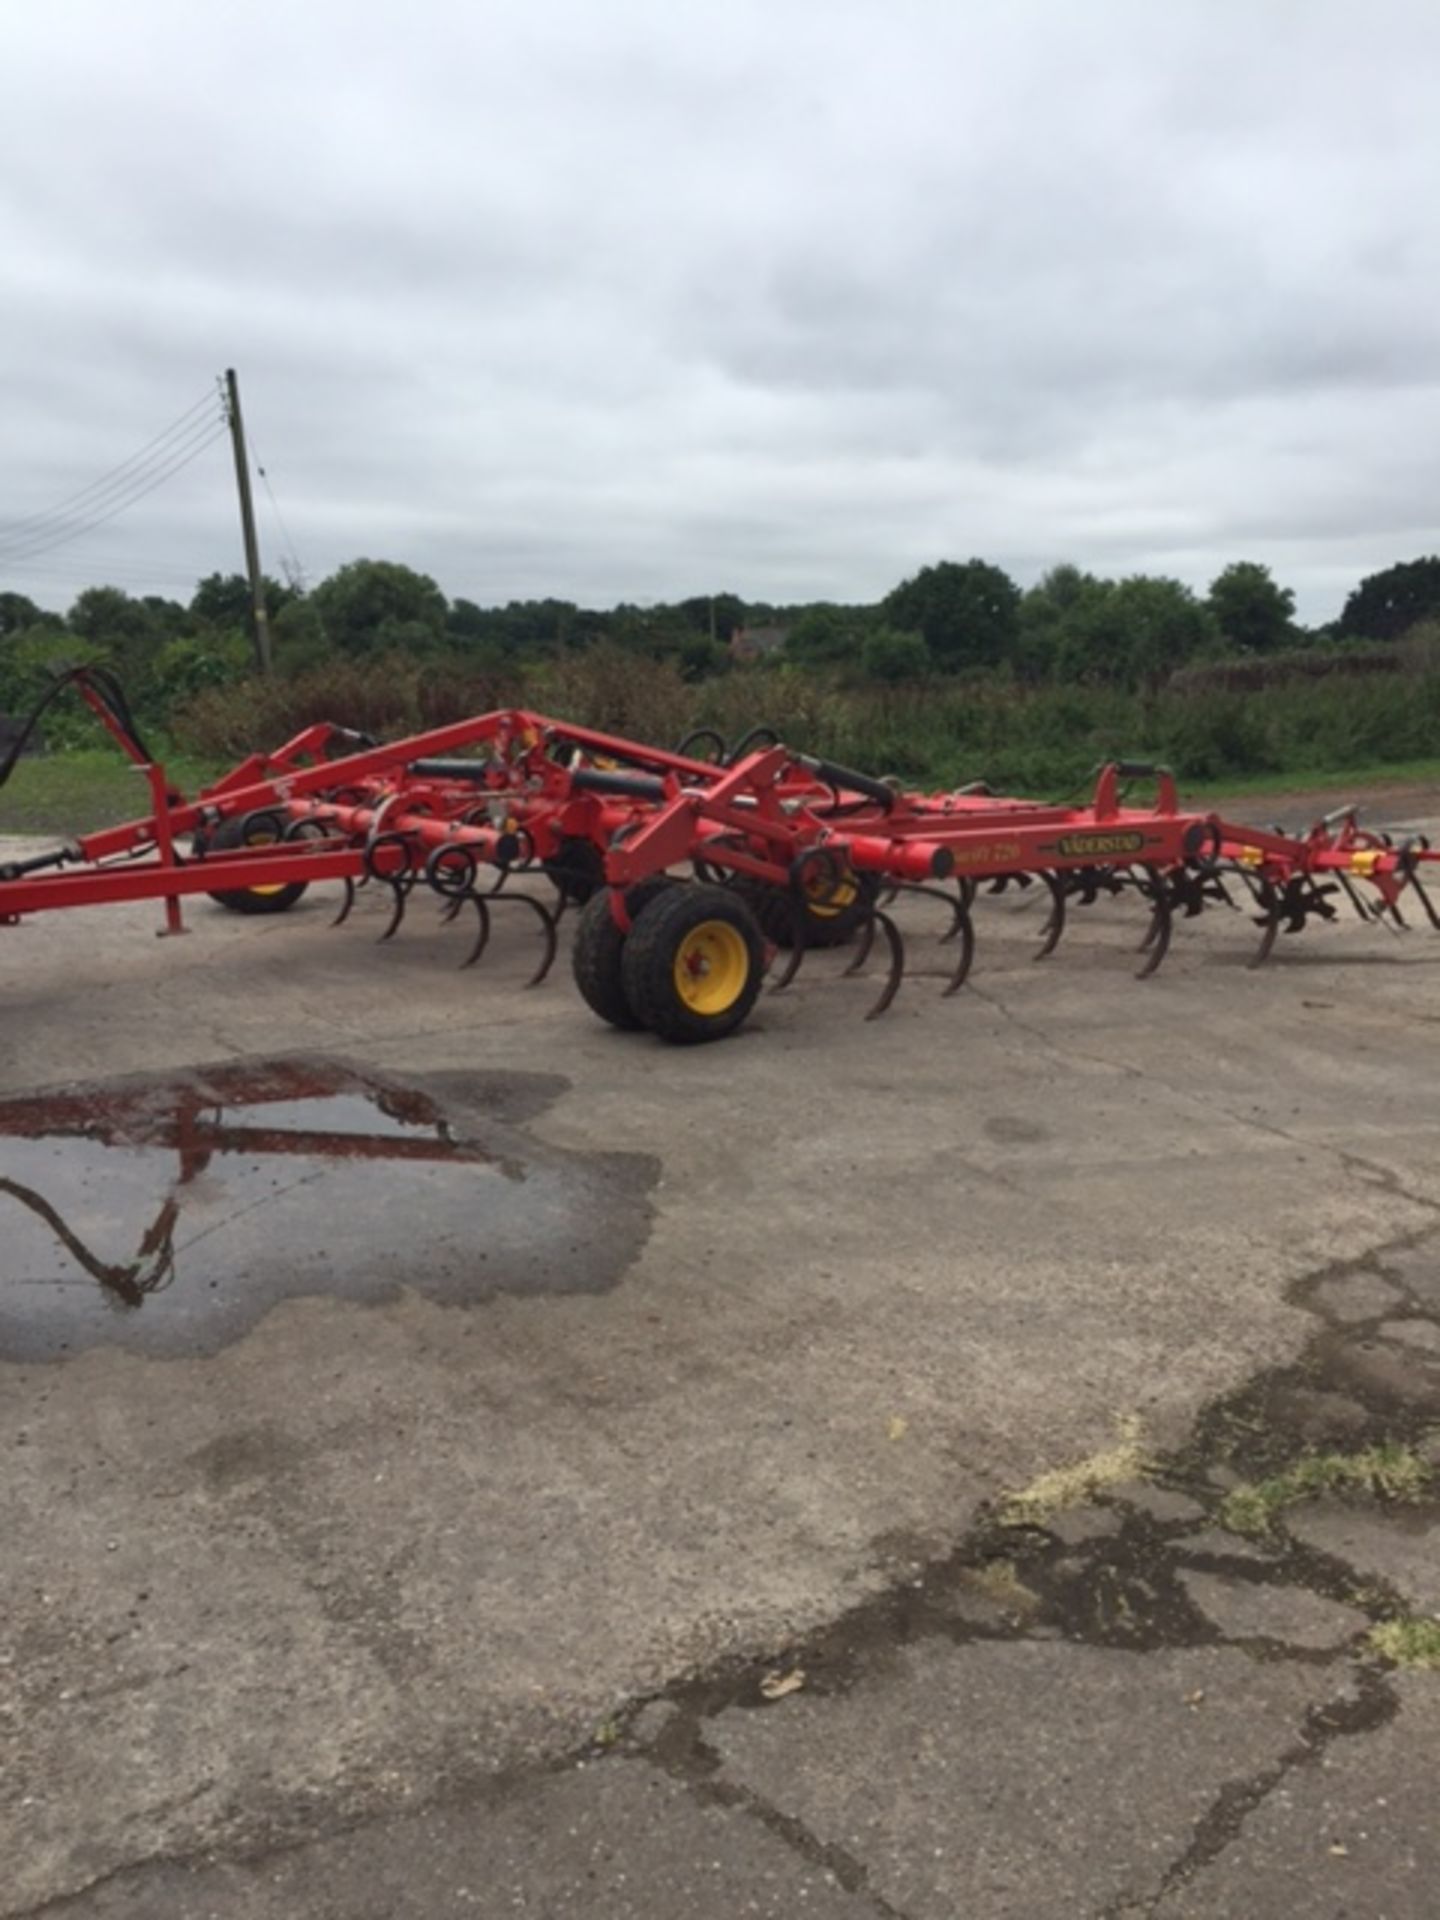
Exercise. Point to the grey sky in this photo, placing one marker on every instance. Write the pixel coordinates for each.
(638, 298)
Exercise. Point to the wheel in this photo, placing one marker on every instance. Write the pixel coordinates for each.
(259, 830)
(693, 963)
(599, 944)
(833, 909)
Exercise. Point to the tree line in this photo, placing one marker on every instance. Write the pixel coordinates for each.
(955, 618)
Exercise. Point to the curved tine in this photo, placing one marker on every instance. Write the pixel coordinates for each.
(1362, 907)
(1141, 880)
(1055, 925)
(862, 950)
(798, 948)
(501, 877)
(1409, 869)
(1147, 939)
(548, 926)
(897, 965)
(964, 958)
(956, 910)
(482, 931)
(1270, 924)
(401, 891)
(451, 909)
(1162, 921)
(346, 904)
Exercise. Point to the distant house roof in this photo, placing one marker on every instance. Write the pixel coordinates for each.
(749, 643)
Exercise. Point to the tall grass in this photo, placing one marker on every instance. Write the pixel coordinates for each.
(1036, 740)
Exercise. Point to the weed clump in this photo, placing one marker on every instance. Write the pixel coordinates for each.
(1387, 1472)
(1407, 1643)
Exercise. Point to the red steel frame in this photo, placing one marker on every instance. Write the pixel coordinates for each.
(542, 784)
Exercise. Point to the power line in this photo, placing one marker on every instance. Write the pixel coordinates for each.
(114, 495)
(184, 453)
(117, 477)
(289, 554)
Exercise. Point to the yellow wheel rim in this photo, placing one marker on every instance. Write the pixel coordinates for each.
(712, 967)
(275, 886)
(825, 901)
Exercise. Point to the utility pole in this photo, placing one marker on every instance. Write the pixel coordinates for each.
(260, 619)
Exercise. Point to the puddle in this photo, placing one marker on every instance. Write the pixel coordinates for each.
(170, 1215)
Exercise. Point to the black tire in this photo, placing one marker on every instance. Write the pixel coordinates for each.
(712, 932)
(599, 947)
(257, 832)
(825, 925)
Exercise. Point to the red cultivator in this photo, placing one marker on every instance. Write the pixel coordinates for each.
(779, 851)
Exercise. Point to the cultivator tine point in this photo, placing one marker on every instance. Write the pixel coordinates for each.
(961, 928)
(1268, 920)
(965, 929)
(863, 945)
(897, 964)
(964, 899)
(1156, 943)
(401, 890)
(798, 949)
(548, 927)
(1055, 924)
(482, 931)
(1410, 871)
(959, 914)
(346, 904)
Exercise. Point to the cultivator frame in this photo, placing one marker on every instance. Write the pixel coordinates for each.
(784, 850)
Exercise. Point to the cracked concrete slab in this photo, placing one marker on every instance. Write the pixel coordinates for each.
(1396, 1545)
(1250, 1609)
(1033, 1778)
(368, 1558)
(1352, 1833)
(615, 1841)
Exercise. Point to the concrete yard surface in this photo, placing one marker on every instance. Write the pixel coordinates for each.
(460, 1459)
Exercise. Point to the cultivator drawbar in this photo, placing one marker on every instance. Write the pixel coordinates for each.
(695, 872)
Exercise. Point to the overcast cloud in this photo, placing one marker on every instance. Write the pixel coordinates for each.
(629, 299)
